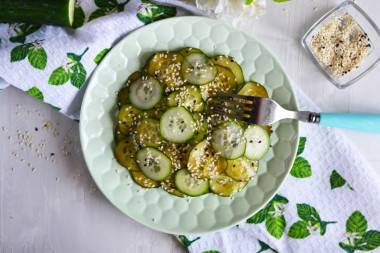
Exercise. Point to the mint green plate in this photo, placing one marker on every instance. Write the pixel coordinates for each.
(156, 208)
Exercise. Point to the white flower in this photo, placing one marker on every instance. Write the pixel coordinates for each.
(279, 210)
(313, 230)
(234, 11)
(350, 237)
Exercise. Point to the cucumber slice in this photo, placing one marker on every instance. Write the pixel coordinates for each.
(145, 92)
(253, 89)
(178, 153)
(123, 94)
(169, 186)
(242, 169)
(257, 142)
(231, 65)
(119, 136)
(143, 181)
(148, 133)
(202, 127)
(204, 163)
(189, 50)
(228, 140)
(125, 153)
(188, 96)
(198, 69)
(50, 12)
(177, 125)
(189, 185)
(154, 164)
(127, 118)
(225, 186)
(167, 68)
(223, 82)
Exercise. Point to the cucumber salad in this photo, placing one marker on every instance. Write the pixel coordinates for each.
(168, 136)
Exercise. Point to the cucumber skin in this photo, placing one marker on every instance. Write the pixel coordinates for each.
(186, 193)
(51, 12)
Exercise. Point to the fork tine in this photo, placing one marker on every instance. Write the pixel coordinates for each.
(230, 108)
(244, 97)
(231, 115)
(231, 101)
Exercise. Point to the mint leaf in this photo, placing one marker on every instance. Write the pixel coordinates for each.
(301, 145)
(275, 226)
(104, 4)
(35, 92)
(20, 52)
(279, 199)
(336, 180)
(38, 58)
(59, 76)
(259, 217)
(100, 56)
(78, 17)
(298, 230)
(186, 242)
(248, 2)
(97, 14)
(370, 241)
(307, 213)
(301, 168)
(347, 248)
(324, 224)
(356, 223)
(78, 77)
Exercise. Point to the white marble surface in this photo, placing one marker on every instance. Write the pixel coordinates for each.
(56, 207)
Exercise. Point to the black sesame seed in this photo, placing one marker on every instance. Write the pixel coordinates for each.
(187, 51)
(253, 164)
(337, 45)
(369, 45)
(259, 141)
(52, 154)
(341, 41)
(232, 60)
(341, 56)
(234, 165)
(36, 129)
(330, 65)
(207, 155)
(215, 59)
(323, 47)
(251, 141)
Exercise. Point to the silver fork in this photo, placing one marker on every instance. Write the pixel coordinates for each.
(265, 111)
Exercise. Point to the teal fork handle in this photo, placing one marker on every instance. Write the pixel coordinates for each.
(359, 122)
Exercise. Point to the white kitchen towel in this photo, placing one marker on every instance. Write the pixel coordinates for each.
(54, 64)
(329, 203)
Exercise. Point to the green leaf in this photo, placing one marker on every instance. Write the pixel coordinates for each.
(23, 31)
(356, 223)
(38, 58)
(248, 2)
(336, 180)
(301, 145)
(55, 107)
(120, 7)
(78, 77)
(100, 56)
(323, 225)
(307, 213)
(35, 92)
(104, 4)
(78, 17)
(76, 57)
(185, 241)
(258, 217)
(97, 14)
(370, 241)
(279, 199)
(346, 247)
(280, 1)
(276, 226)
(144, 19)
(59, 76)
(20, 52)
(211, 251)
(263, 246)
(350, 187)
(156, 12)
(301, 168)
(298, 230)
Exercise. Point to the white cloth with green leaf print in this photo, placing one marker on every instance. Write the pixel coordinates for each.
(55, 63)
(329, 203)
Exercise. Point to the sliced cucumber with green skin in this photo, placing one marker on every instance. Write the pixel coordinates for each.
(51, 12)
(145, 92)
(189, 50)
(188, 96)
(223, 82)
(188, 185)
(143, 181)
(228, 140)
(231, 65)
(204, 163)
(202, 127)
(123, 94)
(177, 125)
(225, 186)
(148, 133)
(125, 153)
(127, 118)
(167, 68)
(253, 89)
(119, 136)
(258, 142)
(169, 186)
(242, 169)
(154, 164)
(198, 69)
